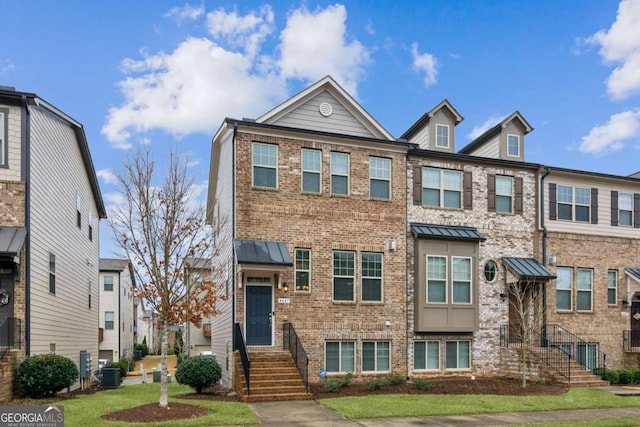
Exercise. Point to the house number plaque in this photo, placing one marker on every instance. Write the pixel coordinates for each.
(284, 300)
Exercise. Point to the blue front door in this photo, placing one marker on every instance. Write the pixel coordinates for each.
(259, 315)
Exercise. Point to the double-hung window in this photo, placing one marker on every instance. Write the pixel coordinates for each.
(625, 209)
(376, 356)
(513, 145)
(340, 356)
(426, 355)
(311, 170)
(340, 174)
(564, 286)
(458, 354)
(343, 276)
(441, 188)
(265, 165)
(442, 136)
(379, 178)
(461, 272)
(504, 194)
(585, 289)
(612, 287)
(4, 121)
(436, 279)
(108, 283)
(78, 210)
(108, 320)
(303, 270)
(371, 277)
(52, 273)
(574, 203)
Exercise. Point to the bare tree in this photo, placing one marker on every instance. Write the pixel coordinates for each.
(525, 304)
(160, 228)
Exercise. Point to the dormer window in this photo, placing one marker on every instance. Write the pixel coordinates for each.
(513, 145)
(442, 136)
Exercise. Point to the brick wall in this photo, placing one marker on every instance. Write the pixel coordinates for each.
(324, 223)
(12, 198)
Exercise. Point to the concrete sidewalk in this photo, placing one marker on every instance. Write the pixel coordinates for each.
(308, 413)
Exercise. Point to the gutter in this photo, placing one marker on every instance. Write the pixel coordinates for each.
(544, 250)
(26, 178)
(233, 234)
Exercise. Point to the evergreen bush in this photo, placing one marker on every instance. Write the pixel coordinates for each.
(198, 372)
(45, 374)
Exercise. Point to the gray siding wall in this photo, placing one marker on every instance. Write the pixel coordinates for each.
(308, 116)
(14, 152)
(58, 175)
(490, 149)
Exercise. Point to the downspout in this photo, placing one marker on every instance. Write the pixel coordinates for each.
(120, 316)
(26, 178)
(406, 264)
(233, 234)
(544, 253)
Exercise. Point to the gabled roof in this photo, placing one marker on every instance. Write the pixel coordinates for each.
(528, 268)
(424, 120)
(11, 240)
(262, 252)
(113, 264)
(328, 84)
(495, 130)
(446, 232)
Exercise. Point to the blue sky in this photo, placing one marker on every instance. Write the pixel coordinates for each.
(166, 72)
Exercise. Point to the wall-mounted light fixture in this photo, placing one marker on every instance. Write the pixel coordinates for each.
(285, 287)
(625, 302)
(503, 297)
(552, 260)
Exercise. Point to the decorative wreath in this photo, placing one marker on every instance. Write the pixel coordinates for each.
(4, 297)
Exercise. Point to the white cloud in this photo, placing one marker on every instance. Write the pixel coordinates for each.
(621, 45)
(107, 176)
(485, 126)
(611, 136)
(6, 67)
(314, 44)
(425, 63)
(192, 88)
(185, 13)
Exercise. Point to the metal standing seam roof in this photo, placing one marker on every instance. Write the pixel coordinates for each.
(528, 268)
(633, 271)
(11, 240)
(448, 232)
(262, 252)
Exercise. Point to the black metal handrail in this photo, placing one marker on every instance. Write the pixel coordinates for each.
(240, 345)
(291, 342)
(10, 337)
(556, 347)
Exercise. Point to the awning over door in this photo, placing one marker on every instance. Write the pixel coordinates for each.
(446, 232)
(262, 252)
(11, 241)
(527, 269)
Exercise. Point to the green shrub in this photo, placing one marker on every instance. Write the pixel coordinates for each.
(396, 379)
(45, 374)
(142, 347)
(612, 376)
(422, 384)
(198, 372)
(626, 376)
(121, 365)
(376, 383)
(334, 384)
(636, 375)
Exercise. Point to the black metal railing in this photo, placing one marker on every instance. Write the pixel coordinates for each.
(240, 345)
(291, 342)
(557, 348)
(631, 341)
(10, 336)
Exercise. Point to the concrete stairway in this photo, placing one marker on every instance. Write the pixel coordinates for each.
(273, 377)
(579, 376)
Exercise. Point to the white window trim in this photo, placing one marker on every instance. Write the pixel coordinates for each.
(426, 355)
(510, 195)
(319, 172)
(254, 165)
(333, 277)
(295, 285)
(457, 356)
(578, 291)
(625, 210)
(388, 180)
(574, 203)
(615, 287)
(381, 278)
(569, 289)
(441, 188)
(509, 135)
(446, 279)
(4, 133)
(340, 342)
(438, 125)
(470, 280)
(341, 174)
(375, 358)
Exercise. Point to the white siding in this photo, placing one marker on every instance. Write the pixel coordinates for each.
(308, 116)
(126, 314)
(109, 302)
(222, 325)
(422, 138)
(603, 227)
(57, 176)
(14, 134)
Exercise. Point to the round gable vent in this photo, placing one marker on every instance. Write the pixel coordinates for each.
(326, 109)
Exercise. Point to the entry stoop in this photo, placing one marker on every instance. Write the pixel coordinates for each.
(273, 377)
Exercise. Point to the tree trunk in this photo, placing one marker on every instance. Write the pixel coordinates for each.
(164, 401)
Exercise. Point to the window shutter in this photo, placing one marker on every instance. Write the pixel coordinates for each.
(614, 208)
(519, 202)
(594, 206)
(636, 210)
(491, 189)
(552, 202)
(467, 185)
(417, 185)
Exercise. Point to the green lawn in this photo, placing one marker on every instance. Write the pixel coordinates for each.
(86, 410)
(396, 405)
